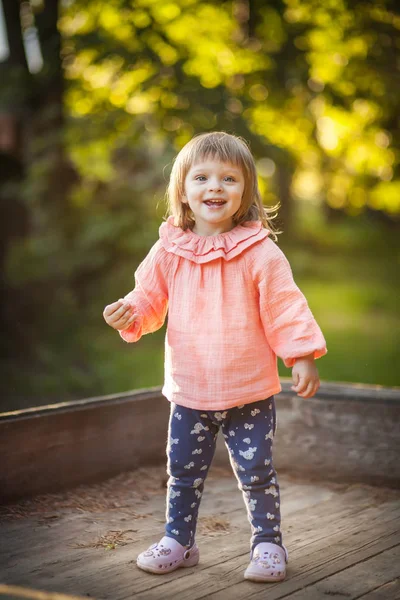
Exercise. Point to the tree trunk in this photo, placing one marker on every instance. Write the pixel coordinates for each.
(13, 213)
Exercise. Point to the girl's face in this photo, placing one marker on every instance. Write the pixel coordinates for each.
(213, 190)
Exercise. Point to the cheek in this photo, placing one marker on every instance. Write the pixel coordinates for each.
(240, 192)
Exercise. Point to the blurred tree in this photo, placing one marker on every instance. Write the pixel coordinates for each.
(308, 84)
(13, 214)
(313, 86)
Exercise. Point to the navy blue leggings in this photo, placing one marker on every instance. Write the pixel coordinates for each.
(248, 431)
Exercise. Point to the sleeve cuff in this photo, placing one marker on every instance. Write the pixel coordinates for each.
(290, 361)
(134, 332)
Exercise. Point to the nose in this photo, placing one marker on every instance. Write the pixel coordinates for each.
(214, 185)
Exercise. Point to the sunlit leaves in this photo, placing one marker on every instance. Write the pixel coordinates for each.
(386, 196)
(140, 18)
(165, 12)
(311, 80)
(213, 56)
(270, 30)
(168, 54)
(308, 184)
(345, 50)
(281, 126)
(94, 159)
(76, 69)
(75, 21)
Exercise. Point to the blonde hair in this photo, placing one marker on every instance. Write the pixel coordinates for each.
(226, 148)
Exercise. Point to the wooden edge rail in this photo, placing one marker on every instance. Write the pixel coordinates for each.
(347, 432)
(8, 592)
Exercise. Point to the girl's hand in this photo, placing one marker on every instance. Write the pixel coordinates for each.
(120, 315)
(305, 377)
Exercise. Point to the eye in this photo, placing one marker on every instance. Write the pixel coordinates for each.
(199, 177)
(230, 177)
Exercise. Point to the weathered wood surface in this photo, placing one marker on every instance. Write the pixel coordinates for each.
(14, 592)
(347, 432)
(343, 541)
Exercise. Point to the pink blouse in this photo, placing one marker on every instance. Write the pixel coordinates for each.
(233, 307)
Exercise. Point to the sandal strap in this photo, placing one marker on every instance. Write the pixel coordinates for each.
(268, 547)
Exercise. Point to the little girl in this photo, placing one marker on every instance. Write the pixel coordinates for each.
(233, 307)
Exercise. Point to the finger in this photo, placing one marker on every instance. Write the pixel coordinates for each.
(316, 388)
(301, 388)
(116, 323)
(128, 323)
(307, 392)
(300, 385)
(129, 317)
(122, 320)
(312, 391)
(295, 378)
(122, 312)
(110, 309)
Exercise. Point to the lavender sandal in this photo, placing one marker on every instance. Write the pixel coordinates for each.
(166, 556)
(268, 563)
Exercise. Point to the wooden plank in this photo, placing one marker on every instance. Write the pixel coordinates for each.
(223, 558)
(389, 591)
(308, 564)
(30, 545)
(221, 493)
(224, 565)
(358, 580)
(41, 553)
(225, 578)
(8, 592)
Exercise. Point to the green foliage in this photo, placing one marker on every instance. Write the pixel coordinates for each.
(311, 85)
(312, 80)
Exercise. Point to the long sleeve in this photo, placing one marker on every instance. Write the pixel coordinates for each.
(150, 295)
(289, 324)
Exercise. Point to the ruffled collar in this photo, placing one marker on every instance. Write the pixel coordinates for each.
(202, 249)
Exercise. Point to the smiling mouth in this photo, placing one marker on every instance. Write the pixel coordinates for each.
(215, 202)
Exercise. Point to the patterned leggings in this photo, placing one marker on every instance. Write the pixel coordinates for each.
(248, 431)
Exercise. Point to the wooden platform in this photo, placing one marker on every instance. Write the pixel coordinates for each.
(343, 542)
